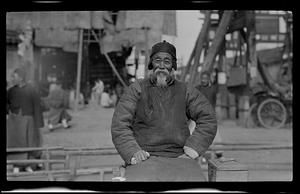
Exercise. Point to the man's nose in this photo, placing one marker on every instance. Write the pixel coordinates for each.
(161, 65)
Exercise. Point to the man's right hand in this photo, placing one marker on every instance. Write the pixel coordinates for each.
(139, 157)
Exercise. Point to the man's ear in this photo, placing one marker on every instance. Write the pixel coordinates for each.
(172, 72)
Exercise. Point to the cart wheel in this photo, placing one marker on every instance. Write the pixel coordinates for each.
(252, 120)
(272, 114)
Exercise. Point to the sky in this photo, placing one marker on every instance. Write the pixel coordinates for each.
(188, 28)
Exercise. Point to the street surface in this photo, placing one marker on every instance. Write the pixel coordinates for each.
(91, 128)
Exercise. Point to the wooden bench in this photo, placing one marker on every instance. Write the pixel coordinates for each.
(71, 169)
(218, 169)
(46, 160)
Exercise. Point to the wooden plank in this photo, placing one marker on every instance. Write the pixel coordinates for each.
(200, 43)
(93, 152)
(186, 69)
(28, 149)
(217, 42)
(226, 170)
(87, 148)
(93, 170)
(239, 148)
(42, 172)
(33, 161)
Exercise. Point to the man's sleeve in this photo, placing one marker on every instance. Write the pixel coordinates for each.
(121, 127)
(37, 108)
(200, 110)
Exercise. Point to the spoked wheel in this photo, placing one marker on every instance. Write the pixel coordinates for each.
(252, 120)
(271, 114)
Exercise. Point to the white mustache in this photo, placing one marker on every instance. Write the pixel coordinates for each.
(164, 71)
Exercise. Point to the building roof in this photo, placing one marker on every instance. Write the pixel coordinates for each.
(60, 28)
(12, 37)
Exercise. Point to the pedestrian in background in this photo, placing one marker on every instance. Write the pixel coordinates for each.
(97, 91)
(209, 88)
(58, 104)
(24, 100)
(106, 99)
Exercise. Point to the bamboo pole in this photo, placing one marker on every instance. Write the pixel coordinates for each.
(79, 62)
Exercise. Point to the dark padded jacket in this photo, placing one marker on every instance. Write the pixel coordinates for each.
(155, 119)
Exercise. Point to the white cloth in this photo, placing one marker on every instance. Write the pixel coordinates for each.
(190, 152)
(106, 100)
(99, 87)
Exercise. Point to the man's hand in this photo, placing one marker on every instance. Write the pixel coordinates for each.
(184, 156)
(139, 156)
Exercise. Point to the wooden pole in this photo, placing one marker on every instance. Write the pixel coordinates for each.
(146, 30)
(200, 43)
(186, 69)
(79, 62)
(217, 42)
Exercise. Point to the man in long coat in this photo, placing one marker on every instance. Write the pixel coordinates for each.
(23, 99)
(150, 124)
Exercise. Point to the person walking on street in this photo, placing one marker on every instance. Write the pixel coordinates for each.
(58, 103)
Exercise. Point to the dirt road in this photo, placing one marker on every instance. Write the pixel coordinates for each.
(91, 128)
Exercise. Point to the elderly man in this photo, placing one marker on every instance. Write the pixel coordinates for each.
(150, 124)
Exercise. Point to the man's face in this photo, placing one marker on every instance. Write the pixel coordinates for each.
(162, 67)
(204, 80)
(16, 79)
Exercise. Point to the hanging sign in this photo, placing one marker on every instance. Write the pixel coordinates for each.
(221, 78)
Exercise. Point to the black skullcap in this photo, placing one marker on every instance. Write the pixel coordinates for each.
(163, 47)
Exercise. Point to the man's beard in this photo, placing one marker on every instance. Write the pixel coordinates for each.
(161, 77)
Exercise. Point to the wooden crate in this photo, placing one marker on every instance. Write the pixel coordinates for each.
(220, 170)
